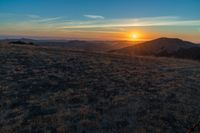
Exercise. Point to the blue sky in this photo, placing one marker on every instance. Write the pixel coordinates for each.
(98, 19)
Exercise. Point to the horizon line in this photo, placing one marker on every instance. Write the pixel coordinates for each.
(84, 39)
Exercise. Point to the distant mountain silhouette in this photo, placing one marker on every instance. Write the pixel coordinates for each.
(99, 46)
(169, 47)
(22, 41)
(96, 46)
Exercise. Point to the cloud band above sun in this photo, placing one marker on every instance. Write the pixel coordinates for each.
(137, 22)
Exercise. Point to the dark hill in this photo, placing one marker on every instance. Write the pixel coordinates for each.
(170, 47)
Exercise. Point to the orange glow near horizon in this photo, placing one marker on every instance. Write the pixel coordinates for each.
(134, 36)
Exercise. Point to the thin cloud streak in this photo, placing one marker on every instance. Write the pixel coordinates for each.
(139, 22)
(48, 19)
(29, 17)
(94, 16)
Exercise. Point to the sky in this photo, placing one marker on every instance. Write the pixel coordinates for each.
(100, 19)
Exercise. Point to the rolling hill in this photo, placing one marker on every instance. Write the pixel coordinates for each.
(60, 90)
(169, 47)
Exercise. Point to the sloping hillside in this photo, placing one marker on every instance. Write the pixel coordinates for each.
(169, 47)
(56, 90)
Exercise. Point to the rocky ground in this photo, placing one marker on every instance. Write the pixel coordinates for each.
(56, 90)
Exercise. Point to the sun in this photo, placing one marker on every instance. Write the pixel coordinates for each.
(134, 36)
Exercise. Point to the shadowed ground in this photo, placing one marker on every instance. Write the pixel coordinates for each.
(55, 90)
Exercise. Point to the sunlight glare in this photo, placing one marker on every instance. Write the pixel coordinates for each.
(134, 36)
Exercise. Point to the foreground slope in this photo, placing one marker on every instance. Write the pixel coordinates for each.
(54, 90)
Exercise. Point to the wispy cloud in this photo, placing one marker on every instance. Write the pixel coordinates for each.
(94, 16)
(28, 23)
(136, 22)
(33, 17)
(48, 19)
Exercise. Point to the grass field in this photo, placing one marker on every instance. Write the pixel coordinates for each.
(56, 90)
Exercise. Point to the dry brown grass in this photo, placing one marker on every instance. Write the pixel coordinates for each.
(55, 90)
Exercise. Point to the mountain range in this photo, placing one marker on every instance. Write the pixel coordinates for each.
(92, 46)
(165, 47)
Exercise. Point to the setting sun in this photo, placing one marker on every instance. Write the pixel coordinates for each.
(134, 36)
